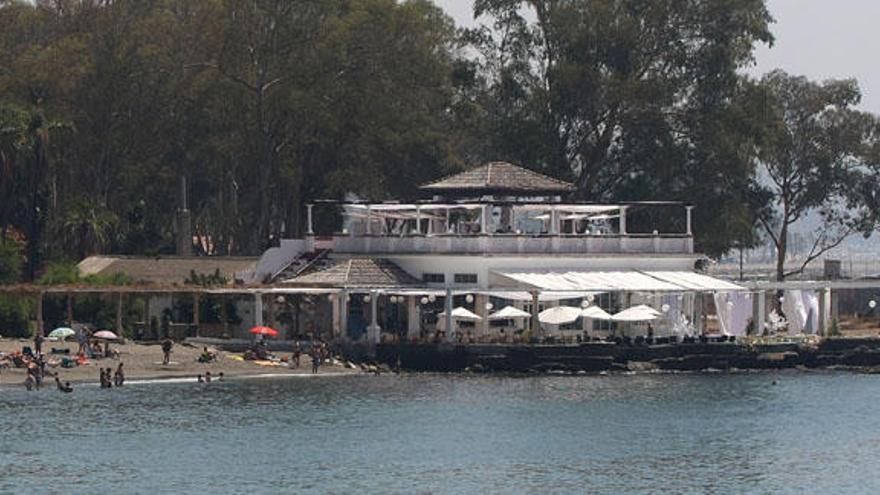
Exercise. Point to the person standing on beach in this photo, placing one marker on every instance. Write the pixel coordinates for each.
(316, 360)
(119, 376)
(38, 343)
(166, 350)
(297, 352)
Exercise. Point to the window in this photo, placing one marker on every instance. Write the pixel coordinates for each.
(433, 278)
(465, 278)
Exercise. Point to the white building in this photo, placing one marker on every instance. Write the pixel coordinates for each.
(495, 236)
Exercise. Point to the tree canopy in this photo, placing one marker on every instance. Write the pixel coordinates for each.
(264, 105)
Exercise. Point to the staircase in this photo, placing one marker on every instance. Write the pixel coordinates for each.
(305, 261)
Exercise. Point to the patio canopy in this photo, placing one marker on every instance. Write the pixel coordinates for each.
(603, 281)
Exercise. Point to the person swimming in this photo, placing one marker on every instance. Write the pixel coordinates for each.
(65, 387)
(199, 379)
(220, 377)
(207, 377)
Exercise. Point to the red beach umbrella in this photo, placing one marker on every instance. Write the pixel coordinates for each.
(271, 332)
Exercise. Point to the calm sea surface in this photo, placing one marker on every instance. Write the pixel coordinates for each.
(688, 433)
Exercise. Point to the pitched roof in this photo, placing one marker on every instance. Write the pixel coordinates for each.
(162, 270)
(356, 272)
(500, 176)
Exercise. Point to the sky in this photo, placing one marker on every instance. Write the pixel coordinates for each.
(820, 39)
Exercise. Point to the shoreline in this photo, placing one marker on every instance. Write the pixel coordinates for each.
(144, 362)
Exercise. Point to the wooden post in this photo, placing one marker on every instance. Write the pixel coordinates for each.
(148, 325)
(119, 314)
(536, 322)
(196, 313)
(41, 330)
(224, 316)
(69, 309)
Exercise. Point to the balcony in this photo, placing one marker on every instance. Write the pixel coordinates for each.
(507, 244)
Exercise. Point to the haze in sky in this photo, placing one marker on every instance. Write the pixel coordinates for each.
(820, 39)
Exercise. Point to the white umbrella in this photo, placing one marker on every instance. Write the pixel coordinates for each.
(637, 313)
(61, 333)
(461, 313)
(559, 315)
(509, 312)
(596, 313)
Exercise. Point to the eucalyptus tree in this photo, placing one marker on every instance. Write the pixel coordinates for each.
(630, 99)
(818, 161)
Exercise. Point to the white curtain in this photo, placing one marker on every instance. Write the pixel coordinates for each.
(811, 303)
(734, 310)
(795, 311)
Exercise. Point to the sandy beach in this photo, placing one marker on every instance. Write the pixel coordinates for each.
(144, 361)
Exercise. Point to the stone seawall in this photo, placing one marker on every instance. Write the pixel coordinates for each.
(596, 357)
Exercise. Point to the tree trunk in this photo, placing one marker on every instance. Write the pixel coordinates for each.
(781, 250)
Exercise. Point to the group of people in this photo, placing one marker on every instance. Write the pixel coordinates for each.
(90, 347)
(317, 352)
(35, 362)
(109, 379)
(207, 377)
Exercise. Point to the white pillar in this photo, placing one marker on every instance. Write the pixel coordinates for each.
(824, 312)
(553, 228)
(689, 210)
(484, 220)
(335, 304)
(449, 324)
(480, 301)
(258, 309)
(513, 226)
(418, 220)
(623, 220)
(343, 314)
(369, 228)
(374, 330)
(760, 312)
(413, 318)
(311, 231)
(448, 225)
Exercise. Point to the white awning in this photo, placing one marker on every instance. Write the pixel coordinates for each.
(542, 297)
(604, 281)
(695, 281)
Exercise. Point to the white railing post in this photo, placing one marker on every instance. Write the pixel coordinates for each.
(623, 220)
(369, 228)
(689, 209)
(311, 230)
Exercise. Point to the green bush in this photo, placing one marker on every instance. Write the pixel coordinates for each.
(10, 263)
(66, 272)
(14, 320)
(59, 273)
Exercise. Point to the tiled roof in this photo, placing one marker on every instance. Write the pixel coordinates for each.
(163, 270)
(356, 272)
(500, 176)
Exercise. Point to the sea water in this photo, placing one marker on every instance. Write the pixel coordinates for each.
(810, 432)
